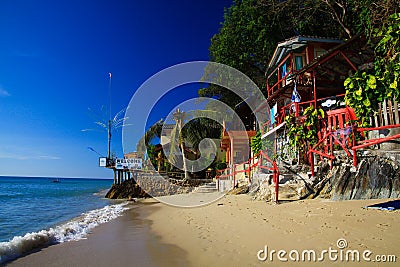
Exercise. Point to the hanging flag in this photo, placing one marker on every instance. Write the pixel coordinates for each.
(274, 110)
(296, 98)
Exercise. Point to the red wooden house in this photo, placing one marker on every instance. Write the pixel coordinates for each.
(310, 71)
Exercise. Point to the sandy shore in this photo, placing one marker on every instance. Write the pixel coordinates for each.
(231, 232)
(125, 241)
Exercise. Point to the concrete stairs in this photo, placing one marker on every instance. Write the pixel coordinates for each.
(206, 188)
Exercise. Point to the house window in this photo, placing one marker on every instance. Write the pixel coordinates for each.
(298, 61)
(283, 71)
(319, 52)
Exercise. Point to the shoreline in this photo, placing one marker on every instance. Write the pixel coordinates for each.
(230, 231)
(123, 241)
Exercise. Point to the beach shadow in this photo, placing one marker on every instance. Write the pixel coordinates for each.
(388, 205)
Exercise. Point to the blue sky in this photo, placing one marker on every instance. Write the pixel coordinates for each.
(55, 57)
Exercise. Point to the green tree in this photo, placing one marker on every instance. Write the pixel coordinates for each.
(303, 132)
(256, 143)
(199, 128)
(366, 88)
(251, 30)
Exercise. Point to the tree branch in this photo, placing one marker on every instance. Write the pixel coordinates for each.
(337, 17)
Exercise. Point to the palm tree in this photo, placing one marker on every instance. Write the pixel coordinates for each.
(202, 124)
(179, 116)
(144, 143)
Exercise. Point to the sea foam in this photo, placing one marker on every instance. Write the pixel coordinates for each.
(73, 230)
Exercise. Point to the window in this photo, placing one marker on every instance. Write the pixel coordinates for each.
(319, 52)
(298, 62)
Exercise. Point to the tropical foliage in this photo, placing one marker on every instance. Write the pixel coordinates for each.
(252, 28)
(256, 143)
(305, 134)
(366, 88)
(182, 137)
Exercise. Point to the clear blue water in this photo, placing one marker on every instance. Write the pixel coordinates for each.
(33, 204)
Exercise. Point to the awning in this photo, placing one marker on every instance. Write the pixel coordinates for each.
(273, 130)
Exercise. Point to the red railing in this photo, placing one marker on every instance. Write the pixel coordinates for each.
(345, 137)
(232, 172)
(374, 141)
(281, 81)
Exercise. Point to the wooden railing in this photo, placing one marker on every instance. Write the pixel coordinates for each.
(298, 108)
(387, 114)
(250, 165)
(341, 131)
(280, 81)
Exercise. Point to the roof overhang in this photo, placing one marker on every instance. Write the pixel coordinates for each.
(294, 43)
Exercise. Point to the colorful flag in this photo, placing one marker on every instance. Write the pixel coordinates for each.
(274, 111)
(296, 98)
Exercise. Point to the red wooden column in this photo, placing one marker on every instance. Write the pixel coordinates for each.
(315, 89)
(276, 180)
(234, 175)
(311, 159)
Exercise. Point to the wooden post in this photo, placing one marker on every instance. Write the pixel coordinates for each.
(385, 113)
(396, 111)
(331, 147)
(115, 176)
(379, 115)
(311, 158)
(354, 157)
(354, 129)
(391, 112)
(276, 178)
(315, 90)
(234, 175)
(249, 170)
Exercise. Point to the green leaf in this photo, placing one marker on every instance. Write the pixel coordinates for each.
(393, 85)
(371, 82)
(349, 83)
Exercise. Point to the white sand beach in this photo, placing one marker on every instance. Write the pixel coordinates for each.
(235, 231)
(232, 230)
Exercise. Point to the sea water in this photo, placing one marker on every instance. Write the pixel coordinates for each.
(36, 212)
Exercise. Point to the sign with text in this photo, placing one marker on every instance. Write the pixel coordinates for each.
(130, 163)
(103, 162)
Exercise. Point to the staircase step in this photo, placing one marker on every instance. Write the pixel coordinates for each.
(207, 188)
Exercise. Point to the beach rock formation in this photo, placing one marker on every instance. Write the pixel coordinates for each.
(291, 187)
(127, 190)
(376, 176)
(147, 185)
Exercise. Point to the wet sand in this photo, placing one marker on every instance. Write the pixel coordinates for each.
(231, 232)
(125, 241)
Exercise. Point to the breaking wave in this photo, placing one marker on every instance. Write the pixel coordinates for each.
(73, 230)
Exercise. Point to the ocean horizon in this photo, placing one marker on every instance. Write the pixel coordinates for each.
(41, 211)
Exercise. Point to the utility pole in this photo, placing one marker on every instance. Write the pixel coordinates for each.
(109, 125)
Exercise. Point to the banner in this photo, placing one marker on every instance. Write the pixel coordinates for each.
(130, 163)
